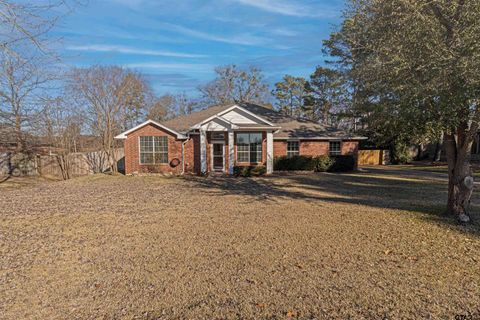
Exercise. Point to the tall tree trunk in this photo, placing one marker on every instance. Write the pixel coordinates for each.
(460, 177)
(18, 133)
(437, 154)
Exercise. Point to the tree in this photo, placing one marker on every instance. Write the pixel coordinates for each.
(22, 82)
(184, 104)
(325, 92)
(162, 108)
(29, 23)
(416, 64)
(61, 127)
(290, 95)
(106, 95)
(134, 95)
(236, 85)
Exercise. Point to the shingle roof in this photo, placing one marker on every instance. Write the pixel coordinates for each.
(183, 123)
(290, 126)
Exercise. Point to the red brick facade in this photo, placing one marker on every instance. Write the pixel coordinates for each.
(314, 147)
(132, 152)
(192, 151)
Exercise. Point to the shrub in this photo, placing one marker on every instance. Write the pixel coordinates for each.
(295, 163)
(249, 171)
(343, 163)
(322, 163)
(401, 153)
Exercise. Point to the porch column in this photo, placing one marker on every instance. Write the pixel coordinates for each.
(203, 151)
(231, 153)
(269, 152)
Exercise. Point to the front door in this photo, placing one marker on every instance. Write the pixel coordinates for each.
(218, 154)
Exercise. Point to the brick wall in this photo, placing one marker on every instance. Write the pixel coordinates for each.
(313, 148)
(350, 147)
(279, 148)
(132, 153)
(192, 151)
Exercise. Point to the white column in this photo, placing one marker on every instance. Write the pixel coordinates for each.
(269, 152)
(231, 153)
(203, 151)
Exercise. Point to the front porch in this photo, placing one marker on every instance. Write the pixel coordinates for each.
(222, 150)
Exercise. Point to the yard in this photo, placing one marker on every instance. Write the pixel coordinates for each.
(366, 245)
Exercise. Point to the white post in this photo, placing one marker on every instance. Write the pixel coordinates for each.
(269, 152)
(231, 153)
(203, 151)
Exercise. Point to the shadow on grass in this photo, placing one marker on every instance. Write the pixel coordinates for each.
(4, 178)
(379, 188)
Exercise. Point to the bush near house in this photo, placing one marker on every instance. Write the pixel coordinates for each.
(294, 163)
(343, 163)
(321, 163)
(249, 171)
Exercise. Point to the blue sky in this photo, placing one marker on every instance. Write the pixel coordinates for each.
(177, 43)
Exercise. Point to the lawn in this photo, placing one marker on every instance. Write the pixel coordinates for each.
(366, 245)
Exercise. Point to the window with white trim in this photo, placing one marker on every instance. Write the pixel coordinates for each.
(249, 147)
(293, 148)
(218, 135)
(153, 150)
(335, 148)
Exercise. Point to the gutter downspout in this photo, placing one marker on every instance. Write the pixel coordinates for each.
(183, 153)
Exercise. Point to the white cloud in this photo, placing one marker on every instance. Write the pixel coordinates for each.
(129, 50)
(289, 8)
(243, 39)
(196, 67)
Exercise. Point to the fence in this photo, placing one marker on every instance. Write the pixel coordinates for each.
(373, 157)
(77, 164)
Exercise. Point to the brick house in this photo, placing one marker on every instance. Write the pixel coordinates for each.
(220, 137)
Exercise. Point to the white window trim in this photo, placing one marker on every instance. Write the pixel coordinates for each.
(335, 153)
(298, 151)
(140, 152)
(249, 152)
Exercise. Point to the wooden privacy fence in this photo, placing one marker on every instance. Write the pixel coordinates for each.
(373, 157)
(77, 164)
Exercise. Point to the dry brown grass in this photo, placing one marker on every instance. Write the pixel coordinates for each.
(367, 245)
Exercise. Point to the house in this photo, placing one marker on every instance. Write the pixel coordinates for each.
(220, 137)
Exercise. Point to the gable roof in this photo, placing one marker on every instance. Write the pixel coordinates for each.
(123, 135)
(290, 127)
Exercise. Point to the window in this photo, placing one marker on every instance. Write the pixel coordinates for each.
(218, 135)
(293, 148)
(249, 147)
(153, 150)
(335, 148)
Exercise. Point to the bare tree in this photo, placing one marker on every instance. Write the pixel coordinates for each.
(29, 22)
(236, 85)
(22, 81)
(184, 104)
(109, 97)
(61, 126)
(135, 95)
(162, 108)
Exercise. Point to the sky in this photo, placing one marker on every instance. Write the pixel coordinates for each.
(176, 44)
